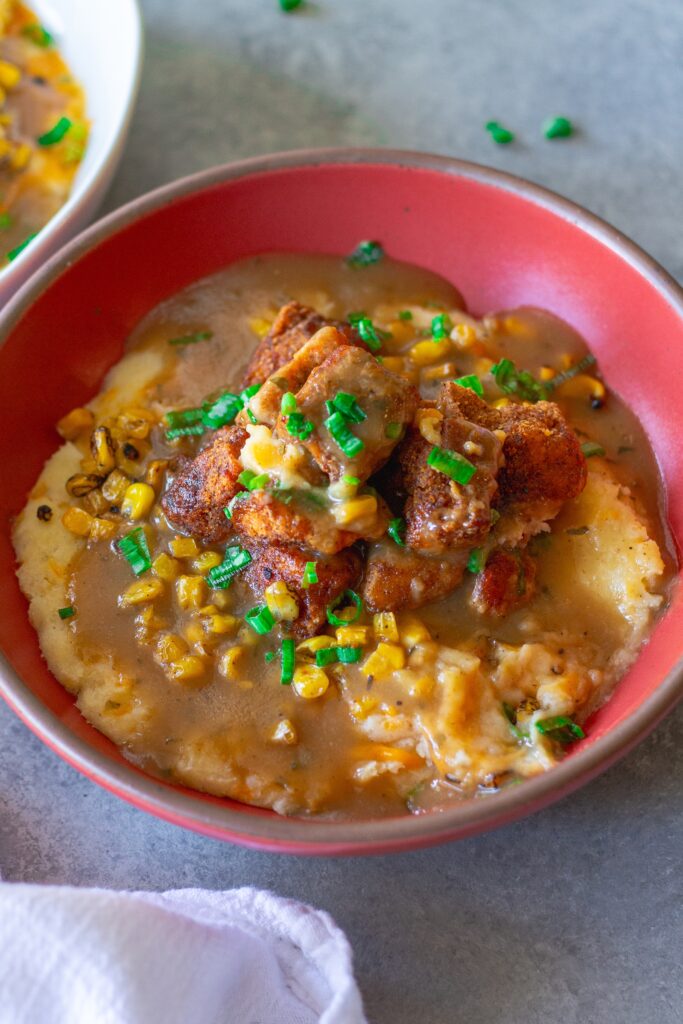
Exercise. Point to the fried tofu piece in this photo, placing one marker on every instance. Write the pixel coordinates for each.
(442, 515)
(263, 516)
(195, 500)
(286, 562)
(292, 328)
(387, 401)
(507, 581)
(397, 577)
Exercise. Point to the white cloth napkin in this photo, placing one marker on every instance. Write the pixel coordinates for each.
(190, 956)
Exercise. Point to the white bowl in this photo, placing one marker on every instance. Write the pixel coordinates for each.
(101, 41)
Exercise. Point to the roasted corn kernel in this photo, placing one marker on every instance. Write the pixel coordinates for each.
(428, 422)
(395, 364)
(141, 592)
(10, 75)
(306, 650)
(260, 326)
(227, 666)
(222, 625)
(310, 681)
(356, 510)
(183, 547)
(115, 486)
(102, 449)
(77, 521)
(187, 669)
(364, 706)
(207, 560)
(284, 732)
(96, 503)
(81, 484)
(465, 336)
(582, 386)
(424, 353)
(440, 372)
(384, 660)
(413, 631)
(165, 567)
(138, 501)
(170, 647)
(381, 752)
(352, 636)
(136, 422)
(281, 602)
(385, 626)
(75, 423)
(102, 529)
(190, 591)
(156, 471)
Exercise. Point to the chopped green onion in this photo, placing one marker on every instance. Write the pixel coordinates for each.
(396, 529)
(405, 314)
(561, 729)
(393, 431)
(442, 325)
(290, 5)
(565, 375)
(298, 426)
(511, 716)
(56, 133)
(269, 656)
(235, 560)
(38, 35)
(346, 597)
(13, 253)
(66, 613)
(326, 656)
(230, 507)
(249, 392)
(472, 383)
(454, 465)
(252, 481)
(260, 619)
(591, 448)
(498, 133)
(135, 550)
(557, 128)
(288, 404)
(512, 381)
(5, 221)
(351, 481)
(191, 339)
(477, 560)
(310, 575)
(349, 655)
(182, 417)
(194, 430)
(221, 411)
(365, 254)
(348, 406)
(366, 331)
(347, 441)
(288, 659)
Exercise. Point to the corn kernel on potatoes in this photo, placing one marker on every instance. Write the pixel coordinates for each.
(394, 561)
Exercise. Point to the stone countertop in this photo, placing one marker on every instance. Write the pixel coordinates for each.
(573, 915)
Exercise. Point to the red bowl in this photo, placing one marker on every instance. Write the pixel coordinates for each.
(503, 241)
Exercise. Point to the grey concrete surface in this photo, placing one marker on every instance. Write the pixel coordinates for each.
(573, 915)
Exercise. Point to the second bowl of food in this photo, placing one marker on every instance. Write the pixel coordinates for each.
(358, 524)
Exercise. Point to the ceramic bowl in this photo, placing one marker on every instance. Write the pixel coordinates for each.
(503, 241)
(101, 41)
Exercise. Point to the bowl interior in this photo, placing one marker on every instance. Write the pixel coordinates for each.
(502, 243)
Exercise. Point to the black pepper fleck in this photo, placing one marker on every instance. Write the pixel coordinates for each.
(44, 513)
(130, 451)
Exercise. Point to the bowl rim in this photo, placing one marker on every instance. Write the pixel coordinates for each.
(267, 831)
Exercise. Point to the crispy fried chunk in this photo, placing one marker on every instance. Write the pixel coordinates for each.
(400, 578)
(195, 500)
(507, 581)
(290, 519)
(286, 562)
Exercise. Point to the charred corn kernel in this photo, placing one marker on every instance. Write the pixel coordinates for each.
(141, 592)
(77, 521)
(546, 373)
(183, 547)
(148, 624)
(187, 669)
(95, 502)
(515, 325)
(156, 470)
(129, 454)
(401, 331)
(20, 156)
(465, 336)
(10, 75)
(281, 602)
(136, 422)
(190, 591)
(222, 624)
(102, 529)
(483, 366)
(56, 567)
(396, 364)
(307, 648)
(102, 449)
(195, 633)
(165, 567)
(422, 687)
(413, 631)
(440, 372)
(170, 647)
(138, 501)
(428, 422)
(385, 626)
(364, 706)
(222, 599)
(260, 326)
(310, 681)
(384, 660)
(227, 666)
(352, 636)
(115, 486)
(75, 423)
(424, 353)
(284, 732)
(582, 386)
(382, 752)
(501, 403)
(207, 560)
(208, 609)
(355, 510)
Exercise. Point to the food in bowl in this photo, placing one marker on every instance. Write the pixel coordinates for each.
(43, 128)
(394, 561)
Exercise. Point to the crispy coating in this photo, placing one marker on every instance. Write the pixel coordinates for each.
(384, 397)
(292, 328)
(287, 562)
(507, 581)
(195, 500)
(397, 577)
(262, 517)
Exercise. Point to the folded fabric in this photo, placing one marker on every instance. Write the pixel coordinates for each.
(189, 956)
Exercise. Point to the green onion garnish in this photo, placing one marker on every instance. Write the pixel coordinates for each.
(56, 133)
(349, 655)
(193, 430)
(13, 253)
(288, 404)
(366, 331)
(66, 613)
(230, 507)
(310, 575)
(591, 448)
(235, 560)
(253, 481)
(565, 375)
(348, 406)
(5, 221)
(191, 339)
(442, 325)
(477, 560)
(498, 133)
(347, 441)
(260, 619)
(511, 716)
(288, 659)
(557, 128)
(365, 254)
(454, 465)
(246, 396)
(346, 597)
(290, 5)
(38, 35)
(351, 481)
(405, 314)
(269, 656)
(221, 411)
(561, 729)
(298, 426)
(512, 381)
(182, 417)
(472, 383)
(393, 431)
(396, 529)
(326, 656)
(135, 550)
